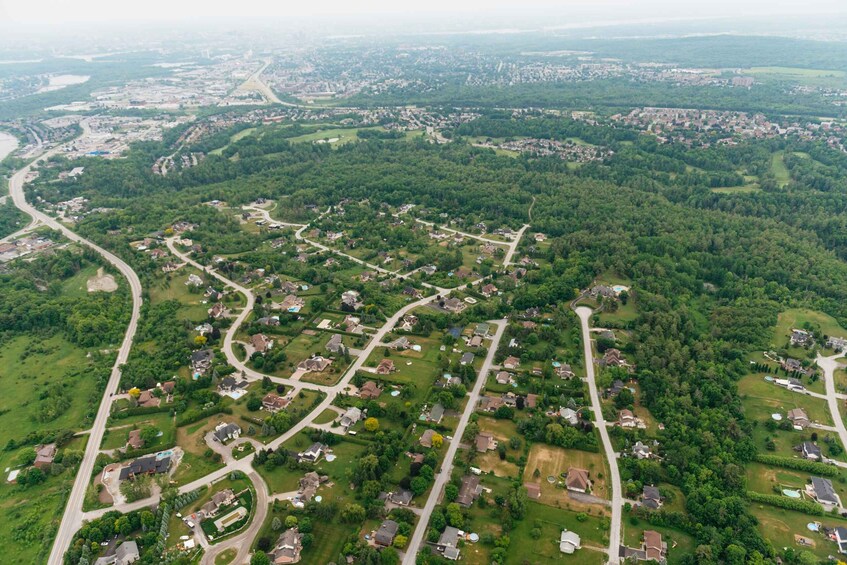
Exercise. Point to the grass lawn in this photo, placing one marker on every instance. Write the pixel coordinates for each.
(193, 467)
(552, 461)
(329, 537)
(795, 318)
(51, 367)
(335, 136)
(326, 416)
(779, 170)
(226, 557)
(780, 526)
(551, 521)
(172, 287)
(761, 399)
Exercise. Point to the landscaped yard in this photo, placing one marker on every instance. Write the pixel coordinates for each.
(761, 399)
(679, 543)
(796, 318)
(781, 526)
(551, 521)
(552, 462)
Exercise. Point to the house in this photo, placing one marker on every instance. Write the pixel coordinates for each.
(641, 451)
(564, 371)
(401, 497)
(654, 547)
(350, 417)
(791, 383)
(533, 490)
(316, 364)
(475, 341)
(615, 389)
(792, 365)
(335, 344)
(469, 490)
(218, 500)
(511, 363)
(291, 303)
(490, 403)
(569, 542)
(44, 455)
(467, 358)
(261, 343)
(134, 440)
(531, 400)
(651, 497)
(150, 465)
(841, 539)
(194, 280)
(385, 367)
(426, 438)
(384, 536)
(810, 451)
(370, 390)
(217, 311)
(626, 419)
(823, 491)
(488, 290)
(454, 305)
(436, 414)
(412, 292)
(127, 553)
(273, 402)
(448, 543)
(504, 378)
(400, 343)
(204, 329)
(167, 387)
(312, 454)
(485, 442)
(836, 343)
(147, 400)
(577, 480)
(225, 432)
(612, 358)
(350, 301)
(287, 548)
(570, 415)
(408, 323)
(800, 338)
(603, 291)
(230, 387)
(798, 418)
(510, 399)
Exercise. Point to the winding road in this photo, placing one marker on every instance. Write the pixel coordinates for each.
(584, 314)
(829, 365)
(72, 517)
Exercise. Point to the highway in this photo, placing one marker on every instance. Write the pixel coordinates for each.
(584, 314)
(72, 518)
(442, 478)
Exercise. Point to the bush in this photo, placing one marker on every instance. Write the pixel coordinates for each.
(805, 506)
(797, 464)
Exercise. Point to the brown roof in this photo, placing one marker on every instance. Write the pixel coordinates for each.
(385, 366)
(653, 544)
(577, 479)
(483, 442)
(531, 400)
(370, 390)
(135, 440)
(533, 490)
(274, 401)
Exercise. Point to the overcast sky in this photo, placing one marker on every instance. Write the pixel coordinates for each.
(582, 11)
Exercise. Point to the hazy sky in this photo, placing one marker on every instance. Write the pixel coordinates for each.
(582, 11)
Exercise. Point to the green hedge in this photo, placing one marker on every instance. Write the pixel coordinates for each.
(191, 416)
(805, 506)
(798, 464)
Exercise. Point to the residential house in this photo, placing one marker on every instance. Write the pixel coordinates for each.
(352, 324)
(570, 415)
(485, 442)
(316, 364)
(504, 378)
(800, 338)
(488, 290)
(408, 323)
(401, 497)
(564, 371)
(313, 453)
(469, 490)
(436, 414)
(204, 329)
(641, 451)
(147, 400)
(615, 389)
(652, 549)
(426, 438)
(626, 419)
(792, 365)
(225, 432)
(569, 542)
(350, 301)
(651, 497)
(335, 344)
(219, 499)
(454, 305)
(490, 403)
(384, 536)
(194, 280)
(823, 491)
(577, 480)
(127, 553)
(841, 539)
(261, 343)
(350, 417)
(412, 292)
(385, 367)
(798, 418)
(134, 440)
(218, 311)
(291, 303)
(531, 400)
(475, 341)
(533, 490)
(602, 291)
(510, 399)
(511, 363)
(229, 386)
(149, 465)
(273, 402)
(44, 455)
(467, 358)
(287, 548)
(370, 390)
(400, 343)
(612, 358)
(811, 451)
(448, 543)
(836, 343)
(309, 484)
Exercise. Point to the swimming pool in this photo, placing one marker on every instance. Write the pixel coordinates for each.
(791, 493)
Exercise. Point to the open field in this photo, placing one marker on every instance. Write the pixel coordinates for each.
(173, 287)
(552, 461)
(761, 399)
(796, 317)
(780, 526)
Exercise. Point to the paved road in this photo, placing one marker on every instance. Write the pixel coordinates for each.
(584, 314)
(442, 478)
(829, 365)
(513, 245)
(72, 518)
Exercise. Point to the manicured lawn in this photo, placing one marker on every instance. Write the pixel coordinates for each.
(52, 368)
(340, 135)
(326, 416)
(761, 399)
(193, 467)
(780, 526)
(551, 521)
